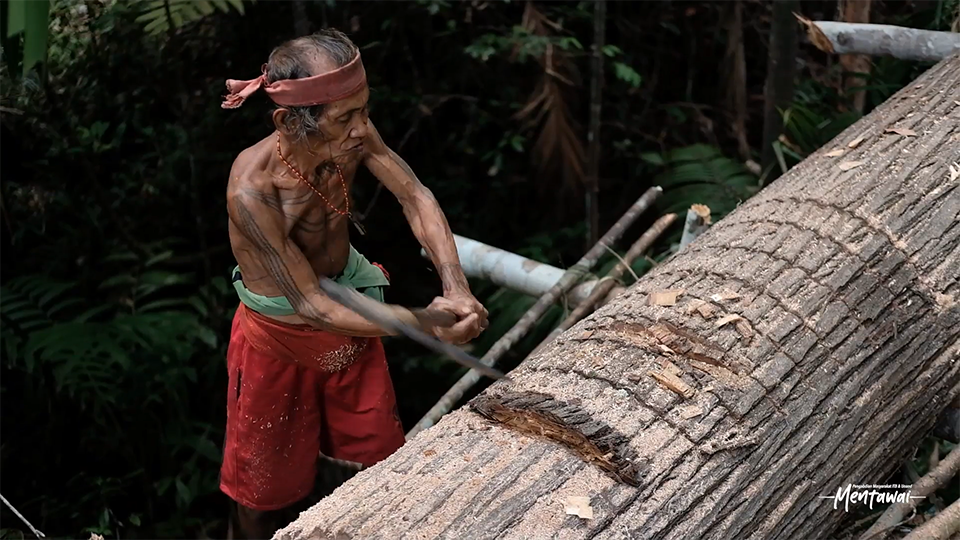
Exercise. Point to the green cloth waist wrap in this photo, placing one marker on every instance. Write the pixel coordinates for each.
(359, 274)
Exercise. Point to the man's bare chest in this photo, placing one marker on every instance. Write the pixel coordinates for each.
(318, 210)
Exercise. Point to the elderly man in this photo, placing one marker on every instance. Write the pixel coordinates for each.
(307, 375)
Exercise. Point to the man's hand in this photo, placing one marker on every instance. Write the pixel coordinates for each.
(471, 315)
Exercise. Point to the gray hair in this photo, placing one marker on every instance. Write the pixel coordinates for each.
(300, 58)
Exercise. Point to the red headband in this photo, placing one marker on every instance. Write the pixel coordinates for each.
(325, 88)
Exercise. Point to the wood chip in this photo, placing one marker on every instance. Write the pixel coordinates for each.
(835, 153)
(848, 165)
(673, 383)
(707, 310)
(856, 142)
(744, 328)
(664, 298)
(727, 319)
(585, 334)
(694, 306)
(954, 171)
(670, 367)
(724, 296)
(906, 132)
(429, 452)
(692, 411)
(578, 506)
(665, 349)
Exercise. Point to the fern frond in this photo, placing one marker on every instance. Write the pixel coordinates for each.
(159, 14)
(701, 174)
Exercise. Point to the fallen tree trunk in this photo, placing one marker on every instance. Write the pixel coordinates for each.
(846, 280)
(881, 40)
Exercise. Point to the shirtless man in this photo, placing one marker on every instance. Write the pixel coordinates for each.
(307, 375)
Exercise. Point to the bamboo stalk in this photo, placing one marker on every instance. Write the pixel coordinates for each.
(930, 483)
(605, 285)
(529, 319)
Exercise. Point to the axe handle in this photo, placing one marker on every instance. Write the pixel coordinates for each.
(439, 318)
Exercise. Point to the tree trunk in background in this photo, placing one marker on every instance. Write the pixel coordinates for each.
(301, 23)
(735, 73)
(593, 130)
(847, 285)
(856, 67)
(778, 90)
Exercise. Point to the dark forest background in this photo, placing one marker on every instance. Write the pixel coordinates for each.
(115, 152)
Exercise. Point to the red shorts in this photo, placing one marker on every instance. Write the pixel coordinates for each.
(295, 392)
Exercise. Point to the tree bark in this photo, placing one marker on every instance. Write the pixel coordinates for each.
(847, 351)
(881, 40)
(778, 89)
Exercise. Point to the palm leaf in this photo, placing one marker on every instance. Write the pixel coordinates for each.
(701, 174)
(158, 15)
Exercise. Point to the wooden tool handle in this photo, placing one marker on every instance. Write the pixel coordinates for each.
(440, 318)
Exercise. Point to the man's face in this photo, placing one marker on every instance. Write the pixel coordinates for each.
(343, 126)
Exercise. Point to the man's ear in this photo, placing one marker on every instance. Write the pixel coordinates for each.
(280, 118)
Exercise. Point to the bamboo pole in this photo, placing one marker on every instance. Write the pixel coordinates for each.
(526, 323)
(607, 284)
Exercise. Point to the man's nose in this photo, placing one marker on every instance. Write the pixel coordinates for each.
(359, 130)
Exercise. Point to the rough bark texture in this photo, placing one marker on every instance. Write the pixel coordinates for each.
(848, 351)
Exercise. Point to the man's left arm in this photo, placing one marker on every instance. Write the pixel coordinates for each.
(431, 229)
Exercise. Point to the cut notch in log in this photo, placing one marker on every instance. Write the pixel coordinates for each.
(536, 311)
(541, 415)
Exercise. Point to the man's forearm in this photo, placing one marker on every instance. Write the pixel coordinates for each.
(325, 314)
(436, 238)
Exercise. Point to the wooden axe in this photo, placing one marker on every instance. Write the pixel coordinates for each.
(377, 313)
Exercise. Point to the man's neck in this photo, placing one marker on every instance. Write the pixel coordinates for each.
(299, 157)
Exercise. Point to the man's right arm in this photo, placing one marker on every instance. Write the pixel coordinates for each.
(290, 270)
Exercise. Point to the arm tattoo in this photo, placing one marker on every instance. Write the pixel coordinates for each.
(275, 265)
(453, 279)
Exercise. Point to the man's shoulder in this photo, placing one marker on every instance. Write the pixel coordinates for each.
(249, 182)
(248, 173)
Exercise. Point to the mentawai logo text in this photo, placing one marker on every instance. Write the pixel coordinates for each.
(871, 494)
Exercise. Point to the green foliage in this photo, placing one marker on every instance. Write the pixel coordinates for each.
(29, 17)
(32, 19)
(158, 15)
(701, 174)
